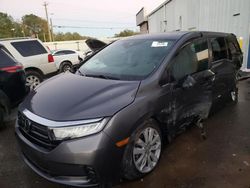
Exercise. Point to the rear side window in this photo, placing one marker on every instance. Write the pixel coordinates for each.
(69, 52)
(5, 58)
(60, 53)
(192, 58)
(233, 46)
(65, 52)
(219, 48)
(29, 48)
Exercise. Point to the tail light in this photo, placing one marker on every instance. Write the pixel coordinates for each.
(12, 69)
(50, 58)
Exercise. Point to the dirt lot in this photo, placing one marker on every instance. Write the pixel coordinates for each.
(221, 161)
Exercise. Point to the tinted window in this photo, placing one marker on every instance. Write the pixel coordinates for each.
(233, 47)
(59, 53)
(64, 52)
(219, 48)
(192, 58)
(69, 52)
(29, 48)
(5, 58)
(128, 59)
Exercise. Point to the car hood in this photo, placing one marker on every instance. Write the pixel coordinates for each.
(95, 44)
(68, 97)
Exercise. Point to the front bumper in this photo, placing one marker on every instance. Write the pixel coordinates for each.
(83, 162)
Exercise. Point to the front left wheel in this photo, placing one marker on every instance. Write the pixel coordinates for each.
(143, 152)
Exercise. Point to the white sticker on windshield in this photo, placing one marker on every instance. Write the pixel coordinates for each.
(157, 44)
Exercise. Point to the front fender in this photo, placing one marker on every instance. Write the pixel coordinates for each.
(124, 122)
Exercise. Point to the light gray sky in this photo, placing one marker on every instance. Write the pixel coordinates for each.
(92, 17)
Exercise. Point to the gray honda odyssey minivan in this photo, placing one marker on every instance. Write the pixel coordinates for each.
(109, 120)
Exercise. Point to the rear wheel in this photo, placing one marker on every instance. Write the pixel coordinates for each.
(143, 152)
(65, 67)
(33, 78)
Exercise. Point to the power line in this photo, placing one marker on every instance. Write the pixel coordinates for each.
(86, 27)
(90, 21)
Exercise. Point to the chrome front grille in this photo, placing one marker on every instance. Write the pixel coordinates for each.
(36, 133)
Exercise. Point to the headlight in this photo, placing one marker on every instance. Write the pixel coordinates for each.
(76, 131)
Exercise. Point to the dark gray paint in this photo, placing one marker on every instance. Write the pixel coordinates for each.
(74, 97)
(172, 104)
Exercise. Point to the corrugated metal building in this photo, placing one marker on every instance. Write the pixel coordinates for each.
(232, 16)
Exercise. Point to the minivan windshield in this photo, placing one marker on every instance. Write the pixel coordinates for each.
(131, 59)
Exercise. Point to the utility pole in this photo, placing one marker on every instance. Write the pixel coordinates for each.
(52, 34)
(45, 4)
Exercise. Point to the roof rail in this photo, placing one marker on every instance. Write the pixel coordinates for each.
(14, 38)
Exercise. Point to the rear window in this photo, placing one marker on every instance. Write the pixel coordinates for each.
(29, 48)
(5, 58)
(219, 48)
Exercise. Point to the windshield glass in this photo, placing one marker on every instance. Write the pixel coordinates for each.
(132, 59)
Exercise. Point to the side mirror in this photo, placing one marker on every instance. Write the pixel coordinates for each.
(188, 82)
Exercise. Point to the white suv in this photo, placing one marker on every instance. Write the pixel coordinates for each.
(35, 57)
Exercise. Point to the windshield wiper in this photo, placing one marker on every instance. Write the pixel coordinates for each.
(102, 76)
(80, 73)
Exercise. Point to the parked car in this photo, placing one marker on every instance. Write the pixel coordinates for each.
(125, 101)
(35, 57)
(64, 59)
(12, 83)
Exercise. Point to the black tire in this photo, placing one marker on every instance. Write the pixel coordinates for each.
(35, 76)
(1, 117)
(65, 66)
(129, 169)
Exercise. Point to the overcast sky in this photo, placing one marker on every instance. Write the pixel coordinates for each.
(92, 17)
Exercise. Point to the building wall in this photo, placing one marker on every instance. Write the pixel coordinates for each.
(156, 21)
(141, 17)
(204, 15)
(144, 28)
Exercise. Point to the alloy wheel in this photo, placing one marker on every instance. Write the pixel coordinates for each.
(32, 81)
(66, 68)
(147, 150)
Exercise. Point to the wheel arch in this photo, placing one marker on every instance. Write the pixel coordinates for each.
(162, 126)
(34, 69)
(65, 61)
